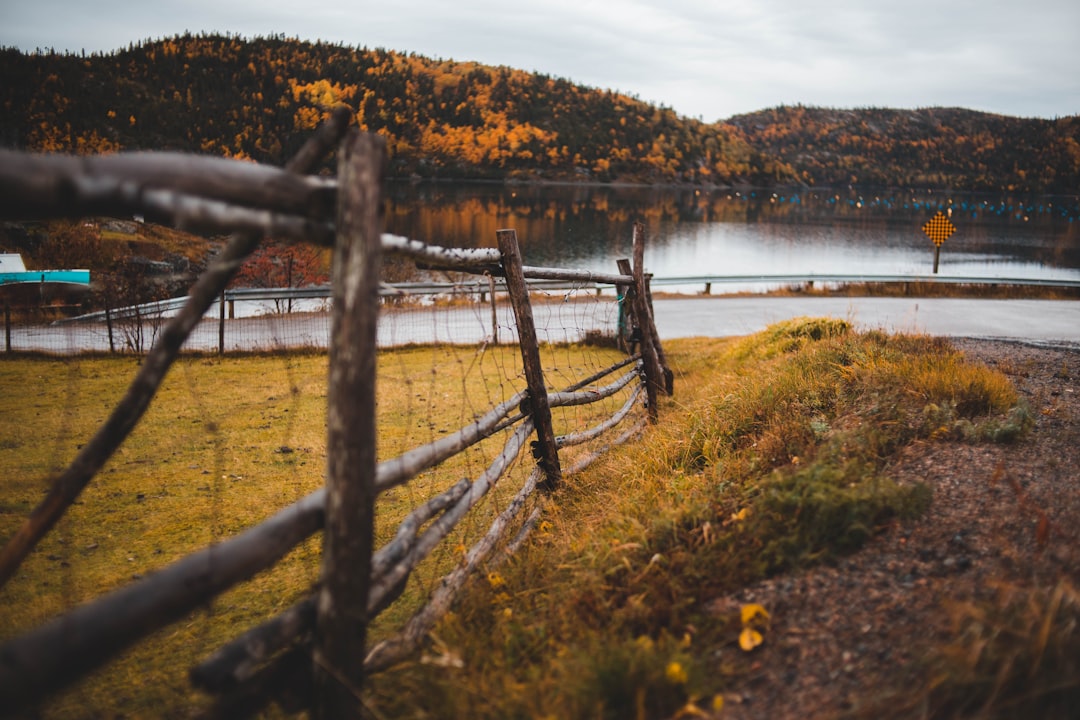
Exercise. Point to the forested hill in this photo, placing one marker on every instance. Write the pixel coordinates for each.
(260, 98)
(933, 147)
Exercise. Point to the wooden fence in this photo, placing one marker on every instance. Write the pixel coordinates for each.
(317, 639)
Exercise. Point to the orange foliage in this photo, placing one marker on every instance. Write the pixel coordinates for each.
(260, 99)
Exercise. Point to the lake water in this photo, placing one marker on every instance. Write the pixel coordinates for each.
(694, 233)
(689, 233)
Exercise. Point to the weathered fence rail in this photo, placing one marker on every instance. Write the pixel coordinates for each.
(323, 637)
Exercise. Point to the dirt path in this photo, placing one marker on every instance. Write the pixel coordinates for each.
(841, 633)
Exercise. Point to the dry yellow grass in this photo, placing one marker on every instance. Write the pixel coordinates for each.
(768, 457)
(226, 443)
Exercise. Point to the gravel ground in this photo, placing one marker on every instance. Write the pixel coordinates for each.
(840, 634)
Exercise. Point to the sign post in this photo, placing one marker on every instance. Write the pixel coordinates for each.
(938, 229)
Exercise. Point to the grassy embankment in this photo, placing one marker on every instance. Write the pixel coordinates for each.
(771, 455)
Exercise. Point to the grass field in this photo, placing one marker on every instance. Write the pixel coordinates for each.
(226, 443)
(770, 456)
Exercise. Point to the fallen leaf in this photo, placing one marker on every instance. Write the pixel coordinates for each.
(1042, 530)
(751, 612)
(749, 639)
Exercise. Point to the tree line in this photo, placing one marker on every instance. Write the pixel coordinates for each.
(928, 148)
(258, 98)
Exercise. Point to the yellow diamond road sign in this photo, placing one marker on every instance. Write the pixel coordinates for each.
(938, 228)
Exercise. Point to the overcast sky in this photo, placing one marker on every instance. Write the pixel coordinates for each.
(704, 58)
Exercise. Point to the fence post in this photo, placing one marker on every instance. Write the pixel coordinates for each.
(627, 316)
(221, 325)
(108, 324)
(643, 320)
(494, 310)
(341, 623)
(544, 448)
(669, 377)
(636, 339)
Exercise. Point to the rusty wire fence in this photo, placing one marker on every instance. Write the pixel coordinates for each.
(456, 490)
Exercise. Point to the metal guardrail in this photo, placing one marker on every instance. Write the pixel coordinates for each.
(322, 292)
(482, 286)
(468, 287)
(709, 280)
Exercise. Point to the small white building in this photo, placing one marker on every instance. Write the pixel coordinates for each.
(11, 263)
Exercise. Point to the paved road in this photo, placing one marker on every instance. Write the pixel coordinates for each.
(1041, 321)
(1052, 322)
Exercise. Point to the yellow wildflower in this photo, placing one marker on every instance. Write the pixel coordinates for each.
(675, 673)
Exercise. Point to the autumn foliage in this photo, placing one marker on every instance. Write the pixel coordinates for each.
(260, 98)
(276, 265)
(931, 148)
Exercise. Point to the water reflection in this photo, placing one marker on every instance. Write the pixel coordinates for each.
(695, 232)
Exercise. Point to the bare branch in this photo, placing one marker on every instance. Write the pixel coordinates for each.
(597, 430)
(584, 276)
(391, 566)
(240, 659)
(441, 528)
(393, 562)
(48, 186)
(120, 197)
(487, 260)
(480, 258)
(394, 650)
(565, 399)
(589, 459)
(405, 538)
